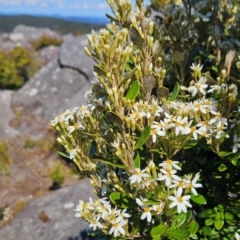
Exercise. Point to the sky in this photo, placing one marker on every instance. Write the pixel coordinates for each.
(80, 8)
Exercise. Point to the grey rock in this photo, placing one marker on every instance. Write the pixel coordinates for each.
(72, 55)
(32, 33)
(51, 91)
(57, 208)
(47, 54)
(7, 115)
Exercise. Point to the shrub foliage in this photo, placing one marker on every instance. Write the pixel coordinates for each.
(160, 136)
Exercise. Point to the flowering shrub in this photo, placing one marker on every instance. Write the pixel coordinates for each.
(160, 137)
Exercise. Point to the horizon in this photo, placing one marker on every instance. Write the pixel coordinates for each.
(61, 8)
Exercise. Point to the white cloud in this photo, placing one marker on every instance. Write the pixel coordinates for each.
(102, 6)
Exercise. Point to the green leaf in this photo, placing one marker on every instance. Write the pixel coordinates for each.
(193, 228)
(179, 219)
(235, 160)
(190, 144)
(171, 211)
(230, 219)
(188, 220)
(223, 154)
(133, 90)
(215, 68)
(93, 149)
(66, 155)
(175, 91)
(209, 222)
(198, 199)
(178, 234)
(207, 213)
(137, 161)
(222, 167)
(207, 230)
(158, 230)
(121, 199)
(219, 220)
(144, 137)
(110, 163)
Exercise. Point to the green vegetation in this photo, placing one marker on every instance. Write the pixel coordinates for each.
(57, 175)
(29, 143)
(17, 66)
(45, 41)
(5, 160)
(8, 23)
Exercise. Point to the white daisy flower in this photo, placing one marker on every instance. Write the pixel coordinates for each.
(182, 202)
(94, 223)
(200, 86)
(117, 228)
(138, 176)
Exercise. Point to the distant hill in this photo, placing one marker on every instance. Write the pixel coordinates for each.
(67, 25)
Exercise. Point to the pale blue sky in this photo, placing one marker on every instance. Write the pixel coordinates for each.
(96, 8)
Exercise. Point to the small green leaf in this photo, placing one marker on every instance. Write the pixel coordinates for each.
(214, 68)
(93, 149)
(171, 211)
(207, 213)
(111, 163)
(133, 90)
(193, 228)
(222, 167)
(179, 219)
(137, 161)
(121, 199)
(178, 234)
(143, 138)
(66, 155)
(230, 219)
(158, 230)
(198, 199)
(209, 222)
(207, 230)
(175, 91)
(190, 144)
(188, 220)
(223, 154)
(219, 220)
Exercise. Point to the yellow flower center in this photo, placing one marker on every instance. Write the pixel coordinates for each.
(180, 200)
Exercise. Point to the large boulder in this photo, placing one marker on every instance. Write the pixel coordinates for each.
(51, 217)
(72, 55)
(51, 91)
(28, 34)
(7, 114)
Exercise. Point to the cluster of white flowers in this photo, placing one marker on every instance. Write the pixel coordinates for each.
(102, 216)
(167, 174)
(199, 117)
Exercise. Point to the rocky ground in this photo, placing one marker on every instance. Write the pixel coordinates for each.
(25, 114)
